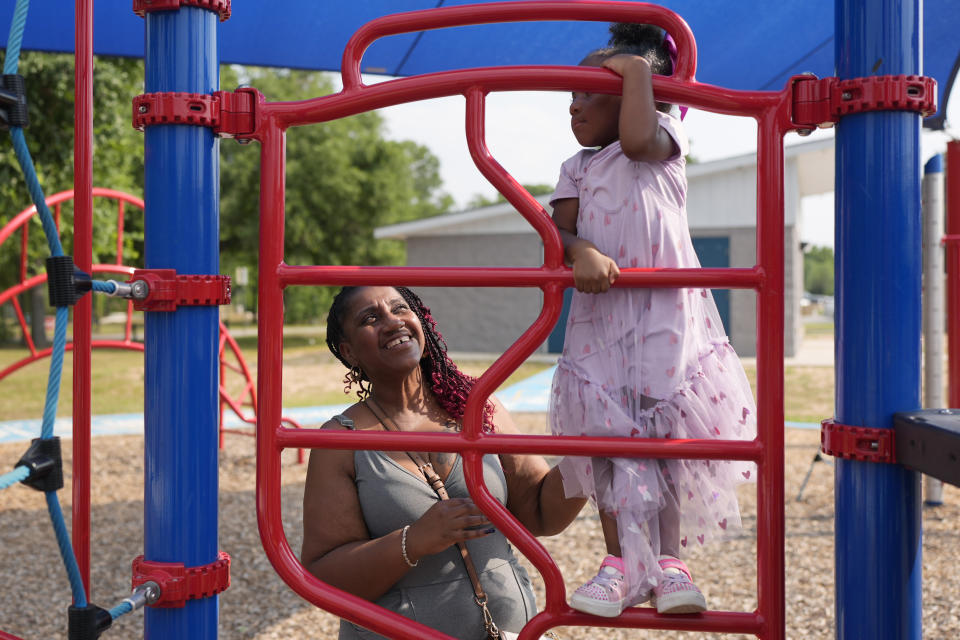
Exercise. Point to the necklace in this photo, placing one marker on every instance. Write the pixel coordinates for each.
(443, 459)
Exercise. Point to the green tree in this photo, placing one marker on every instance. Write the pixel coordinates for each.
(818, 271)
(118, 161)
(343, 179)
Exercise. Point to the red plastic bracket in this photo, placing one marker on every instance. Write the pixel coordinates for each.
(229, 114)
(166, 290)
(867, 444)
(820, 102)
(178, 583)
(173, 107)
(237, 112)
(220, 7)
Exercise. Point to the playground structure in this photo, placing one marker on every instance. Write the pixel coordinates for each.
(881, 486)
(242, 403)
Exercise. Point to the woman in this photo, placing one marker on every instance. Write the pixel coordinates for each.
(372, 525)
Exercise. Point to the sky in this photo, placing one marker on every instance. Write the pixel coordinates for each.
(529, 134)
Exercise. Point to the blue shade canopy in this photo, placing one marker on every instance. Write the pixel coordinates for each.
(742, 44)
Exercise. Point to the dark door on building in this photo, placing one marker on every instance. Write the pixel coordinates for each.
(713, 253)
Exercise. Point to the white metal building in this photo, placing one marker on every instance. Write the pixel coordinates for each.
(722, 212)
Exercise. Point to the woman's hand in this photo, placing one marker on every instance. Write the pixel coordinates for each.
(594, 272)
(444, 524)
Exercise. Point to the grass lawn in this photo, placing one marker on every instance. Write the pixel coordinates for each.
(311, 377)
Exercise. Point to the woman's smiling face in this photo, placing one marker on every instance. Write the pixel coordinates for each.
(382, 332)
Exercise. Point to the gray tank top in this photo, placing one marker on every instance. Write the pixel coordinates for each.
(437, 592)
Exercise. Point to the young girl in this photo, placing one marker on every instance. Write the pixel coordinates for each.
(641, 363)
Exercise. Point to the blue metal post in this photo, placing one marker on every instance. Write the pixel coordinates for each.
(182, 178)
(878, 261)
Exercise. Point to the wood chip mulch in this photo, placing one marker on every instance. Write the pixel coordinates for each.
(34, 593)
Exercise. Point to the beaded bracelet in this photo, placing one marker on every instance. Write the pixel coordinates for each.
(403, 548)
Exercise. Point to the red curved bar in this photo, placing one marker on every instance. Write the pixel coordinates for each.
(515, 194)
(475, 14)
(512, 276)
(772, 112)
(513, 78)
(248, 396)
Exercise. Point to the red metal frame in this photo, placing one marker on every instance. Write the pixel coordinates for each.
(952, 260)
(82, 344)
(247, 398)
(83, 258)
(771, 110)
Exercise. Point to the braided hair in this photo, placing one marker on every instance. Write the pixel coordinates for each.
(450, 386)
(645, 40)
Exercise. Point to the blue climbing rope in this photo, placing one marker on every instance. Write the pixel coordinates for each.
(108, 287)
(11, 62)
(121, 609)
(11, 478)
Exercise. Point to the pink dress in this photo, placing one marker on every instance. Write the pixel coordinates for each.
(648, 363)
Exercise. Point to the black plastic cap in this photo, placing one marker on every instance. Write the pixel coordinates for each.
(13, 102)
(87, 623)
(65, 283)
(45, 464)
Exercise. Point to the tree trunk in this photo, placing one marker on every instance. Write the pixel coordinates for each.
(38, 311)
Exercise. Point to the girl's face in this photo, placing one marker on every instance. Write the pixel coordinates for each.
(382, 333)
(594, 117)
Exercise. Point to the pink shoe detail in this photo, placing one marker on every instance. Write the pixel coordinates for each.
(676, 593)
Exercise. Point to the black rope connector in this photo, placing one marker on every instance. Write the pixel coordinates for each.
(65, 282)
(45, 464)
(13, 102)
(87, 623)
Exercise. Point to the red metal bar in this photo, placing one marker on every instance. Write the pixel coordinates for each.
(222, 390)
(128, 325)
(643, 618)
(23, 326)
(21, 219)
(770, 109)
(24, 241)
(770, 309)
(518, 443)
(512, 78)
(512, 277)
(415, 21)
(519, 197)
(119, 231)
(45, 353)
(83, 259)
(952, 260)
